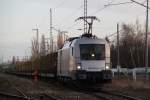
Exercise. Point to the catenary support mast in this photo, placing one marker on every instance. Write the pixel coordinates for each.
(85, 16)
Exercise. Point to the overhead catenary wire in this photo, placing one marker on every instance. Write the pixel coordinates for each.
(70, 15)
(113, 34)
(119, 4)
(106, 7)
(111, 4)
(61, 4)
(71, 26)
(101, 9)
(54, 8)
(140, 4)
(126, 3)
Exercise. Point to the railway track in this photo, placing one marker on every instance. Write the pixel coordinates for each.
(45, 96)
(95, 92)
(15, 93)
(102, 94)
(107, 95)
(6, 96)
(13, 89)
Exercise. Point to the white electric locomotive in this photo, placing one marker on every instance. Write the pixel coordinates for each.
(84, 58)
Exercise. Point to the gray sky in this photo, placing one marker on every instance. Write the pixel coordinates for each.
(19, 17)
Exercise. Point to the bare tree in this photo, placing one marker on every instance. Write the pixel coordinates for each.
(131, 46)
(60, 40)
(42, 46)
(34, 49)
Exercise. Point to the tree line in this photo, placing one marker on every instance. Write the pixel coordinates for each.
(131, 46)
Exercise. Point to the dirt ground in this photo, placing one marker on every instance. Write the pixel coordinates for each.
(139, 88)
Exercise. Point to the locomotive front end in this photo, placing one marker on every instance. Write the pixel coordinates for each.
(94, 62)
(84, 58)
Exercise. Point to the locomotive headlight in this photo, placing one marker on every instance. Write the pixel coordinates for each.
(92, 55)
(78, 67)
(107, 67)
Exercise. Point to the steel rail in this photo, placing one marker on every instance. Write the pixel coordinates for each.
(120, 95)
(19, 91)
(50, 97)
(94, 92)
(13, 96)
(89, 91)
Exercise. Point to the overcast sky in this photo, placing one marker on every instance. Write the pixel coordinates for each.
(19, 17)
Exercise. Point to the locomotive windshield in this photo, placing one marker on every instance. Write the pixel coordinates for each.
(92, 51)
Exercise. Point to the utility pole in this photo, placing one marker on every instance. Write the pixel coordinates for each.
(51, 34)
(118, 58)
(146, 42)
(36, 72)
(43, 46)
(85, 16)
(118, 51)
(37, 39)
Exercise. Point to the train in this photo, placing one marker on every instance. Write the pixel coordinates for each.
(83, 58)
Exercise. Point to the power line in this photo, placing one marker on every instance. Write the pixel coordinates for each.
(101, 9)
(70, 15)
(121, 3)
(113, 34)
(68, 28)
(140, 4)
(98, 10)
(59, 5)
(54, 8)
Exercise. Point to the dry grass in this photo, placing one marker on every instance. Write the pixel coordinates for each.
(128, 82)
